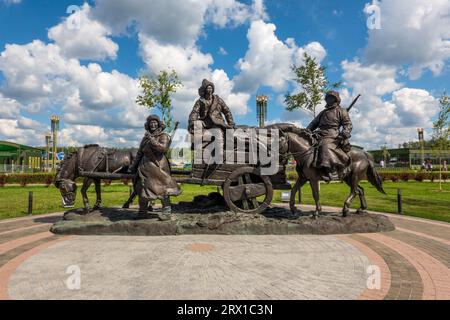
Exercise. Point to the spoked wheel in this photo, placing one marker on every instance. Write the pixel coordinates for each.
(242, 189)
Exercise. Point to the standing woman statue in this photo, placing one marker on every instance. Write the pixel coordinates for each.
(152, 168)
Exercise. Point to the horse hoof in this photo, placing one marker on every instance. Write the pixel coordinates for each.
(126, 206)
(361, 211)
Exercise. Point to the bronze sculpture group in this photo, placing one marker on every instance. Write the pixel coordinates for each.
(321, 151)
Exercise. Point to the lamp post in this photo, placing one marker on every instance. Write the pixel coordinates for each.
(261, 109)
(48, 139)
(55, 129)
(420, 132)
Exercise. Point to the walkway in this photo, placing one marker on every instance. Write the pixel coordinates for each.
(412, 262)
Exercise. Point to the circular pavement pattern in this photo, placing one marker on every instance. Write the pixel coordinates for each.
(231, 267)
(411, 262)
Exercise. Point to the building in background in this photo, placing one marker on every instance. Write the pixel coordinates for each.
(20, 158)
(411, 158)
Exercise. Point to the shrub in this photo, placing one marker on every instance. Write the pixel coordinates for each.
(432, 176)
(24, 179)
(445, 177)
(106, 182)
(3, 179)
(405, 176)
(49, 180)
(394, 178)
(125, 181)
(420, 176)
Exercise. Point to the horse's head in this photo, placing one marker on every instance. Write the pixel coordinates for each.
(68, 190)
(64, 181)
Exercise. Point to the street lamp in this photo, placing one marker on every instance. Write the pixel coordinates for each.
(420, 132)
(55, 129)
(48, 139)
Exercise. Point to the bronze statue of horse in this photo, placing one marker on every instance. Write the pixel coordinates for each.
(301, 147)
(90, 158)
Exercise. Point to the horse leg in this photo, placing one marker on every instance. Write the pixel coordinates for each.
(353, 192)
(362, 199)
(316, 194)
(298, 184)
(98, 192)
(130, 200)
(86, 184)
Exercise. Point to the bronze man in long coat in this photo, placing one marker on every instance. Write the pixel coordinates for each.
(153, 180)
(326, 127)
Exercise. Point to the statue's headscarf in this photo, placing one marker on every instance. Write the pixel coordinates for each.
(334, 94)
(161, 124)
(205, 84)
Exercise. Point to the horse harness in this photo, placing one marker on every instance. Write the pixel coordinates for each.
(103, 156)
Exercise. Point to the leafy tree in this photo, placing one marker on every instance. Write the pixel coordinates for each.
(441, 126)
(385, 153)
(311, 77)
(157, 93)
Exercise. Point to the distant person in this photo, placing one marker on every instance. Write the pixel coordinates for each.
(424, 166)
(444, 166)
(382, 163)
(429, 165)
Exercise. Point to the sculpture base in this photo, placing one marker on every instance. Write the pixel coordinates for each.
(184, 220)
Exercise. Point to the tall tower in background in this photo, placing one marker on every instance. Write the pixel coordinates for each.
(261, 109)
(55, 129)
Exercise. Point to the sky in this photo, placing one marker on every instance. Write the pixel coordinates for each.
(82, 60)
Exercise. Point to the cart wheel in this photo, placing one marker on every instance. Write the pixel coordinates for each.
(242, 189)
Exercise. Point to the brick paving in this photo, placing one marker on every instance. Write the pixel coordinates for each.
(414, 261)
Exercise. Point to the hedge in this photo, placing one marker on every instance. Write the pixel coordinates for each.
(47, 179)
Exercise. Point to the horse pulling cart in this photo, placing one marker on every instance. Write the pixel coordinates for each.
(245, 189)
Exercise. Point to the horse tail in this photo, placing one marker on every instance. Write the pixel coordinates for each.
(372, 175)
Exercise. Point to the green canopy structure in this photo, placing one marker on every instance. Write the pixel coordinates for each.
(18, 157)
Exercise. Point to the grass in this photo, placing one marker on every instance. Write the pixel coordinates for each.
(420, 199)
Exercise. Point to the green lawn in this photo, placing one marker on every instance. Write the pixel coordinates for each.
(420, 199)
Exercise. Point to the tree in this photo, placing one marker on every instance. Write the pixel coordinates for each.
(441, 126)
(385, 153)
(311, 77)
(157, 93)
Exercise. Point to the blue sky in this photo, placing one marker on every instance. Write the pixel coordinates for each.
(87, 75)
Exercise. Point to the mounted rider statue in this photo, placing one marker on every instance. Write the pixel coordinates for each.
(332, 128)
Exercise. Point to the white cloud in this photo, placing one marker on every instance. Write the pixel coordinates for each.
(81, 37)
(268, 60)
(414, 33)
(174, 21)
(12, 1)
(9, 108)
(387, 112)
(192, 66)
(415, 107)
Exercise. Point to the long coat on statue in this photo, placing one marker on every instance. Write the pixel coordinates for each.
(153, 180)
(327, 129)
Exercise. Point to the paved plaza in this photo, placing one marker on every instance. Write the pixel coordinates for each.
(410, 263)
